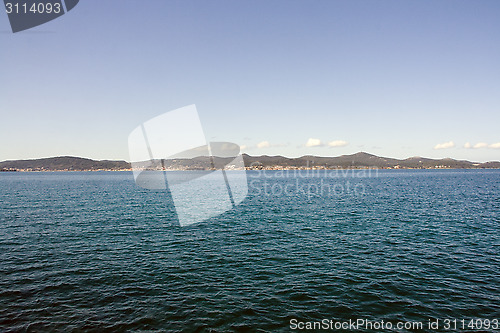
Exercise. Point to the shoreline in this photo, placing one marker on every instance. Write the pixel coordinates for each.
(249, 169)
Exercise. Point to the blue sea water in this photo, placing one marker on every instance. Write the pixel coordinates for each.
(94, 252)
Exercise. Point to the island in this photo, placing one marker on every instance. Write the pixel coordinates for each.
(361, 160)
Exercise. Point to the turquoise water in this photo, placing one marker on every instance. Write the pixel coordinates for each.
(94, 252)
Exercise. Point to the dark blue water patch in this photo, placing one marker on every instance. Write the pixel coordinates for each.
(93, 252)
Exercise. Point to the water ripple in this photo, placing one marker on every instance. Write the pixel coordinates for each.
(92, 252)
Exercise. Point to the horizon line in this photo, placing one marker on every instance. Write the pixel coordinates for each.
(264, 155)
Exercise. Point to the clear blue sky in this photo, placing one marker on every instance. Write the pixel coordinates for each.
(393, 78)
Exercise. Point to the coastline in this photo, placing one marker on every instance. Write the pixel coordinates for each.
(277, 168)
(357, 161)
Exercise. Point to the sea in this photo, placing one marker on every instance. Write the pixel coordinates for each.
(317, 250)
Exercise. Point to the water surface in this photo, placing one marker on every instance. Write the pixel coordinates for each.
(94, 252)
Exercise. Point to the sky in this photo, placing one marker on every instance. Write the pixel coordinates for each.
(324, 77)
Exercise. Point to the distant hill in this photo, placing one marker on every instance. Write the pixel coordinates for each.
(64, 163)
(358, 160)
(363, 159)
(345, 161)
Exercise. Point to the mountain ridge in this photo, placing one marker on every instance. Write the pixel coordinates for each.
(357, 160)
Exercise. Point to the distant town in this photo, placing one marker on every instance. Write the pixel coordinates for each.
(360, 160)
